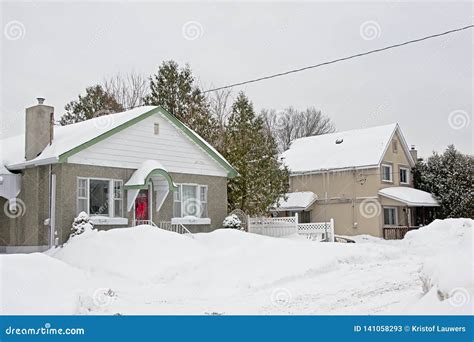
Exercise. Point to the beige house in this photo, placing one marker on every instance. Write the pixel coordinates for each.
(360, 178)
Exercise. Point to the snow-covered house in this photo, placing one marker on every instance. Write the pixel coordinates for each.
(361, 178)
(124, 169)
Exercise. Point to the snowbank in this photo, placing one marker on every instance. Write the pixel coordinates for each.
(147, 270)
(141, 253)
(38, 284)
(447, 273)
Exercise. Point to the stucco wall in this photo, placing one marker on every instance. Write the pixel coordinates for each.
(217, 201)
(26, 227)
(29, 229)
(350, 196)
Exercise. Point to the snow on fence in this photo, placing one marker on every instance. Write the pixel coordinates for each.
(283, 226)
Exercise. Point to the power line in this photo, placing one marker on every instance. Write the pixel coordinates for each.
(341, 59)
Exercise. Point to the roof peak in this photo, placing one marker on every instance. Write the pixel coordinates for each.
(335, 134)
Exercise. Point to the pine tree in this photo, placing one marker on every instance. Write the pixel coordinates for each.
(449, 177)
(96, 102)
(252, 150)
(175, 90)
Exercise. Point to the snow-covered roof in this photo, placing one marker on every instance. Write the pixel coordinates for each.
(409, 196)
(296, 201)
(357, 148)
(69, 137)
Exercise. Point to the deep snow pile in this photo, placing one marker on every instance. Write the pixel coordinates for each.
(447, 272)
(38, 284)
(144, 268)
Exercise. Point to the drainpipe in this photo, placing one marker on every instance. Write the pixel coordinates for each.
(52, 206)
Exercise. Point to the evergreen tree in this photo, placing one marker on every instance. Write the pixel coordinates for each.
(449, 177)
(175, 90)
(96, 102)
(253, 152)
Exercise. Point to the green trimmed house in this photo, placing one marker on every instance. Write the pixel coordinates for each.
(142, 166)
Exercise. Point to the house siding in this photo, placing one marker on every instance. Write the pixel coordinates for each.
(131, 147)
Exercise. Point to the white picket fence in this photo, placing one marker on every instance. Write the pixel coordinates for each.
(284, 226)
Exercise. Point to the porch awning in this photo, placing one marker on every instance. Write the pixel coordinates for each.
(296, 201)
(141, 177)
(409, 196)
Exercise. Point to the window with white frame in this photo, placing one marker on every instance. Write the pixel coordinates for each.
(404, 175)
(100, 197)
(386, 170)
(390, 216)
(190, 200)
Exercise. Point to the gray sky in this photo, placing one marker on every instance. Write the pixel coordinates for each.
(57, 49)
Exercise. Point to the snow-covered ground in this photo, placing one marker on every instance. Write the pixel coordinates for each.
(145, 270)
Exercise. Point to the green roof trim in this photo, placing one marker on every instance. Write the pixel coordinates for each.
(231, 172)
(155, 172)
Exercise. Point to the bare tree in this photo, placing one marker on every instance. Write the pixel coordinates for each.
(128, 89)
(290, 124)
(220, 106)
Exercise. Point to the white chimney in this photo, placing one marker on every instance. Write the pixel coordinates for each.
(39, 128)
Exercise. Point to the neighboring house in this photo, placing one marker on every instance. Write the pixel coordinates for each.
(121, 169)
(361, 178)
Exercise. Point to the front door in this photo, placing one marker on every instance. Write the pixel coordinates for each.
(141, 206)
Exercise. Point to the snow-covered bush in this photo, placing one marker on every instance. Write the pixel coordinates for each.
(232, 221)
(81, 224)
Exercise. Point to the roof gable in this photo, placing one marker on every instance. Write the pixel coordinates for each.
(72, 139)
(360, 148)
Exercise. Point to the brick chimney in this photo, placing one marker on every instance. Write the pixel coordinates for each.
(39, 128)
(414, 153)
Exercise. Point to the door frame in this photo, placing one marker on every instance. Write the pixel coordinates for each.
(150, 204)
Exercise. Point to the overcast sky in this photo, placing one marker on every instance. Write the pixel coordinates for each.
(57, 49)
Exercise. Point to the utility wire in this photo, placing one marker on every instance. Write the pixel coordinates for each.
(341, 59)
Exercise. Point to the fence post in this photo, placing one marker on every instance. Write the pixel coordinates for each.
(332, 239)
(296, 223)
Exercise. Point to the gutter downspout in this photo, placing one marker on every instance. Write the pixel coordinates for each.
(52, 207)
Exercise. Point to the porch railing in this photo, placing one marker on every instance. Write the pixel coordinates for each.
(167, 225)
(397, 232)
